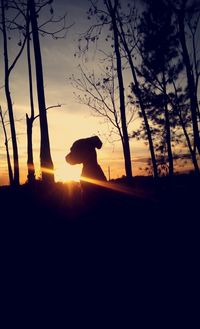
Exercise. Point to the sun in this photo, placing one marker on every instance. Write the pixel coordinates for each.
(65, 172)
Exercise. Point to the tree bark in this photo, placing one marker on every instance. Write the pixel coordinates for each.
(45, 154)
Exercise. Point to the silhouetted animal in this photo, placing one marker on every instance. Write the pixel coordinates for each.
(83, 151)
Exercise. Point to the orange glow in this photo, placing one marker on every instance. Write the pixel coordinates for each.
(65, 172)
(135, 192)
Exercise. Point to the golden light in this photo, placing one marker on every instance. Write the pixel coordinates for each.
(65, 172)
(132, 191)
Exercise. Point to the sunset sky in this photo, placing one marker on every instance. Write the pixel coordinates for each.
(73, 120)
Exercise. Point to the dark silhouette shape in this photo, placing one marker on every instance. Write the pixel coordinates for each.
(45, 150)
(83, 151)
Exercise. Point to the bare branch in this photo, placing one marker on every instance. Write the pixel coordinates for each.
(18, 55)
(48, 108)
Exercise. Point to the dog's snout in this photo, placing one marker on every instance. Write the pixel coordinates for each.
(67, 158)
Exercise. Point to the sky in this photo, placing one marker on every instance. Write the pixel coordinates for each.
(73, 120)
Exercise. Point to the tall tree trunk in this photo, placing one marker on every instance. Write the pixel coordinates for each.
(29, 121)
(139, 97)
(30, 163)
(9, 101)
(168, 131)
(45, 154)
(10, 173)
(192, 152)
(190, 80)
(126, 146)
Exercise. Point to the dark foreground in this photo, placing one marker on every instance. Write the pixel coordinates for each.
(118, 260)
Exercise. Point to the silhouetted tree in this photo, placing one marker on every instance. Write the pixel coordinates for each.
(45, 154)
(106, 17)
(29, 120)
(101, 95)
(184, 9)
(127, 40)
(56, 33)
(112, 10)
(10, 172)
(181, 109)
(158, 47)
(7, 70)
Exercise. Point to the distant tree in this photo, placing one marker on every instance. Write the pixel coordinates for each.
(128, 40)
(10, 172)
(188, 14)
(181, 110)
(158, 49)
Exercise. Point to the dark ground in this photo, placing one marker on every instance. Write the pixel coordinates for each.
(120, 260)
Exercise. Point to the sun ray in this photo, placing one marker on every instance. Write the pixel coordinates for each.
(132, 191)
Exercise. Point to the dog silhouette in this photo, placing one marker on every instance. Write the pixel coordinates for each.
(84, 151)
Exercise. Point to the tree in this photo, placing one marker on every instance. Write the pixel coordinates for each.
(180, 109)
(7, 70)
(101, 95)
(45, 154)
(106, 17)
(181, 12)
(135, 86)
(112, 10)
(57, 33)
(158, 49)
(10, 172)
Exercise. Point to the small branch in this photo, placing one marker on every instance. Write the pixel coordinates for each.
(18, 55)
(48, 108)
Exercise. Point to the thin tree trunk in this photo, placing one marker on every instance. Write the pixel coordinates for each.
(126, 146)
(192, 152)
(10, 173)
(168, 132)
(45, 154)
(190, 80)
(9, 101)
(30, 163)
(138, 95)
(29, 121)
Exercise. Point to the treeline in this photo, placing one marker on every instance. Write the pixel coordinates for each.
(156, 44)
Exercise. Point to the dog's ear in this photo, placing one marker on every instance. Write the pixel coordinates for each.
(96, 142)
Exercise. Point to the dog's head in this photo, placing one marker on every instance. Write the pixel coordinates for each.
(83, 151)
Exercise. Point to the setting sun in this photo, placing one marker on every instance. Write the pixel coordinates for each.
(65, 172)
